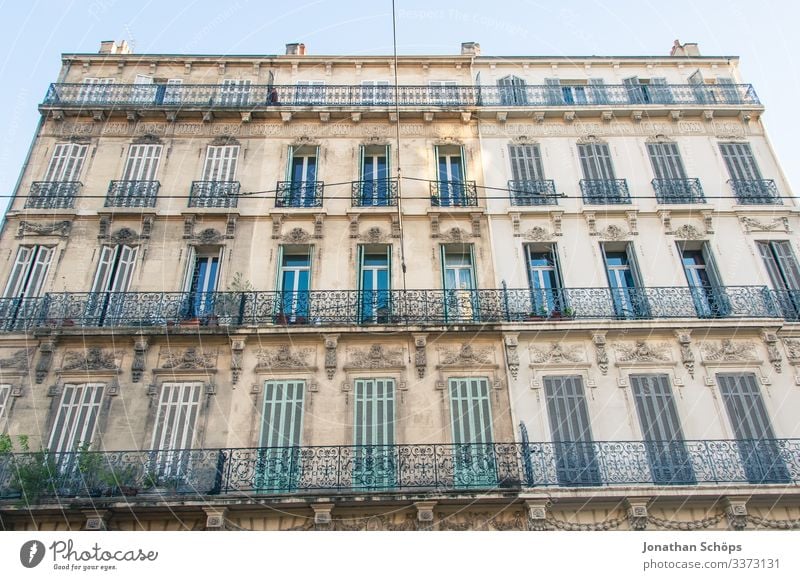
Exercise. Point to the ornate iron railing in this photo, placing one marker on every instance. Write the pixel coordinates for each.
(605, 191)
(252, 96)
(788, 303)
(755, 191)
(679, 190)
(52, 194)
(453, 194)
(532, 192)
(389, 307)
(374, 193)
(434, 467)
(214, 194)
(132, 193)
(299, 193)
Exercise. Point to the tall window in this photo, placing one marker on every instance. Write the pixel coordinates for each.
(281, 435)
(172, 93)
(512, 91)
(528, 186)
(95, 90)
(758, 449)
(373, 433)
(461, 300)
(666, 160)
(144, 91)
(784, 273)
(375, 92)
(294, 281)
(234, 92)
(654, 91)
(142, 163)
(471, 418)
(627, 294)
(375, 283)
(599, 184)
(671, 183)
(374, 188)
(5, 393)
(544, 277)
(309, 92)
(112, 279)
(451, 177)
(202, 282)
(576, 461)
(301, 189)
(220, 164)
(663, 437)
(748, 185)
(66, 162)
(173, 435)
(29, 272)
(708, 294)
(76, 418)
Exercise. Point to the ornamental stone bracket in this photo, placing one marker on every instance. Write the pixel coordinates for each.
(322, 516)
(537, 514)
(778, 224)
(96, 520)
(684, 337)
(558, 356)
(286, 358)
(217, 519)
(376, 357)
(599, 341)
(55, 228)
(736, 512)
(140, 344)
(637, 512)
(277, 221)
(792, 347)
(425, 514)
(420, 354)
(511, 342)
(770, 339)
(46, 349)
(237, 358)
(331, 341)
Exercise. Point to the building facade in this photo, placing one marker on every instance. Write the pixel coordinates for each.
(218, 311)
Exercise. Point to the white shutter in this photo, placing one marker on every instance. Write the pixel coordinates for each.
(104, 267)
(5, 390)
(142, 163)
(172, 92)
(526, 162)
(220, 163)
(596, 161)
(19, 273)
(76, 417)
(66, 162)
(666, 161)
(177, 414)
(29, 271)
(124, 271)
(39, 271)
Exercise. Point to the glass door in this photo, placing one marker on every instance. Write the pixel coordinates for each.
(707, 294)
(374, 176)
(375, 284)
(203, 285)
(627, 298)
(451, 177)
(545, 281)
(784, 273)
(108, 298)
(303, 176)
(461, 298)
(295, 277)
(473, 448)
(373, 434)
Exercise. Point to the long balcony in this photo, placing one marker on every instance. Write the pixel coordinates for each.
(605, 191)
(52, 194)
(160, 96)
(132, 193)
(374, 193)
(299, 193)
(525, 192)
(388, 307)
(387, 468)
(214, 194)
(678, 191)
(755, 191)
(454, 194)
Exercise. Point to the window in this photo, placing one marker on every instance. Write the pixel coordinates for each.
(627, 295)
(310, 92)
(375, 93)
(599, 184)
(95, 90)
(458, 272)
(758, 449)
(142, 163)
(444, 92)
(576, 461)
(218, 187)
(76, 417)
(528, 186)
(784, 273)
(663, 437)
(301, 188)
(108, 300)
(5, 403)
(202, 283)
(671, 183)
(645, 92)
(172, 92)
(144, 91)
(707, 291)
(373, 433)
(512, 91)
(451, 188)
(173, 434)
(375, 283)
(598, 91)
(375, 187)
(746, 181)
(220, 164)
(66, 162)
(471, 418)
(29, 272)
(278, 465)
(544, 277)
(574, 95)
(294, 283)
(234, 93)
(138, 187)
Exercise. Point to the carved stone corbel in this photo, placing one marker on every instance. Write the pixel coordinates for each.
(322, 515)
(354, 225)
(637, 513)
(395, 226)
(420, 356)
(537, 514)
(237, 358)
(230, 227)
(277, 220)
(140, 344)
(319, 221)
(435, 233)
(591, 222)
(188, 227)
(556, 218)
(773, 352)
(666, 220)
(475, 219)
(599, 341)
(331, 341)
(512, 356)
(736, 511)
(633, 222)
(515, 223)
(46, 349)
(708, 221)
(687, 355)
(147, 227)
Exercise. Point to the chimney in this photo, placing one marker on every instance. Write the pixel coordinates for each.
(111, 47)
(687, 49)
(470, 48)
(296, 48)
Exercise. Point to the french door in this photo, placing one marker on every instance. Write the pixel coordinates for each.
(475, 463)
(278, 465)
(374, 464)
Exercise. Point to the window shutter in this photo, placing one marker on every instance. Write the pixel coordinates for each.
(76, 417)
(142, 163)
(177, 416)
(221, 163)
(19, 273)
(634, 89)
(745, 406)
(374, 412)
(596, 161)
(660, 90)
(104, 265)
(739, 161)
(554, 96)
(728, 92)
(598, 91)
(124, 273)
(470, 411)
(36, 279)
(282, 421)
(526, 162)
(655, 404)
(66, 162)
(566, 404)
(787, 263)
(5, 390)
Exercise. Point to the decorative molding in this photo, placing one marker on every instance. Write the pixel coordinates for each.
(140, 345)
(395, 225)
(775, 225)
(374, 357)
(373, 235)
(599, 341)
(511, 343)
(557, 354)
(277, 221)
(708, 221)
(60, 228)
(515, 223)
(792, 346)
(296, 236)
(666, 220)
(319, 222)
(434, 217)
(46, 349)
(455, 235)
(331, 341)
(642, 352)
(237, 358)
(285, 358)
(92, 358)
(475, 222)
(728, 351)
(124, 236)
(17, 363)
(466, 356)
(188, 226)
(207, 237)
(538, 234)
(688, 232)
(684, 337)
(591, 222)
(103, 226)
(230, 227)
(613, 233)
(773, 352)
(191, 358)
(420, 355)
(632, 218)
(147, 226)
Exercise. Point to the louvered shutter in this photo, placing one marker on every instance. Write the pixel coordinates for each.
(76, 417)
(142, 163)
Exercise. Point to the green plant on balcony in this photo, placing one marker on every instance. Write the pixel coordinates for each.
(231, 300)
(32, 474)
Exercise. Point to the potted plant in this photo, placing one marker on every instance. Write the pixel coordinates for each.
(33, 474)
(539, 314)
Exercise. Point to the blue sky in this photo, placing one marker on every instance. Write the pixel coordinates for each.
(33, 35)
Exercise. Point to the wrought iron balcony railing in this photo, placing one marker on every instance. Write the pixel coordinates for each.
(679, 190)
(388, 307)
(52, 194)
(374, 193)
(605, 191)
(254, 96)
(532, 192)
(214, 194)
(299, 193)
(454, 194)
(132, 194)
(755, 191)
(432, 467)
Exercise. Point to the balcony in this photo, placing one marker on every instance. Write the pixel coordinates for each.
(755, 191)
(605, 191)
(132, 194)
(214, 194)
(52, 194)
(388, 307)
(431, 467)
(299, 193)
(374, 193)
(670, 191)
(532, 192)
(162, 96)
(453, 194)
